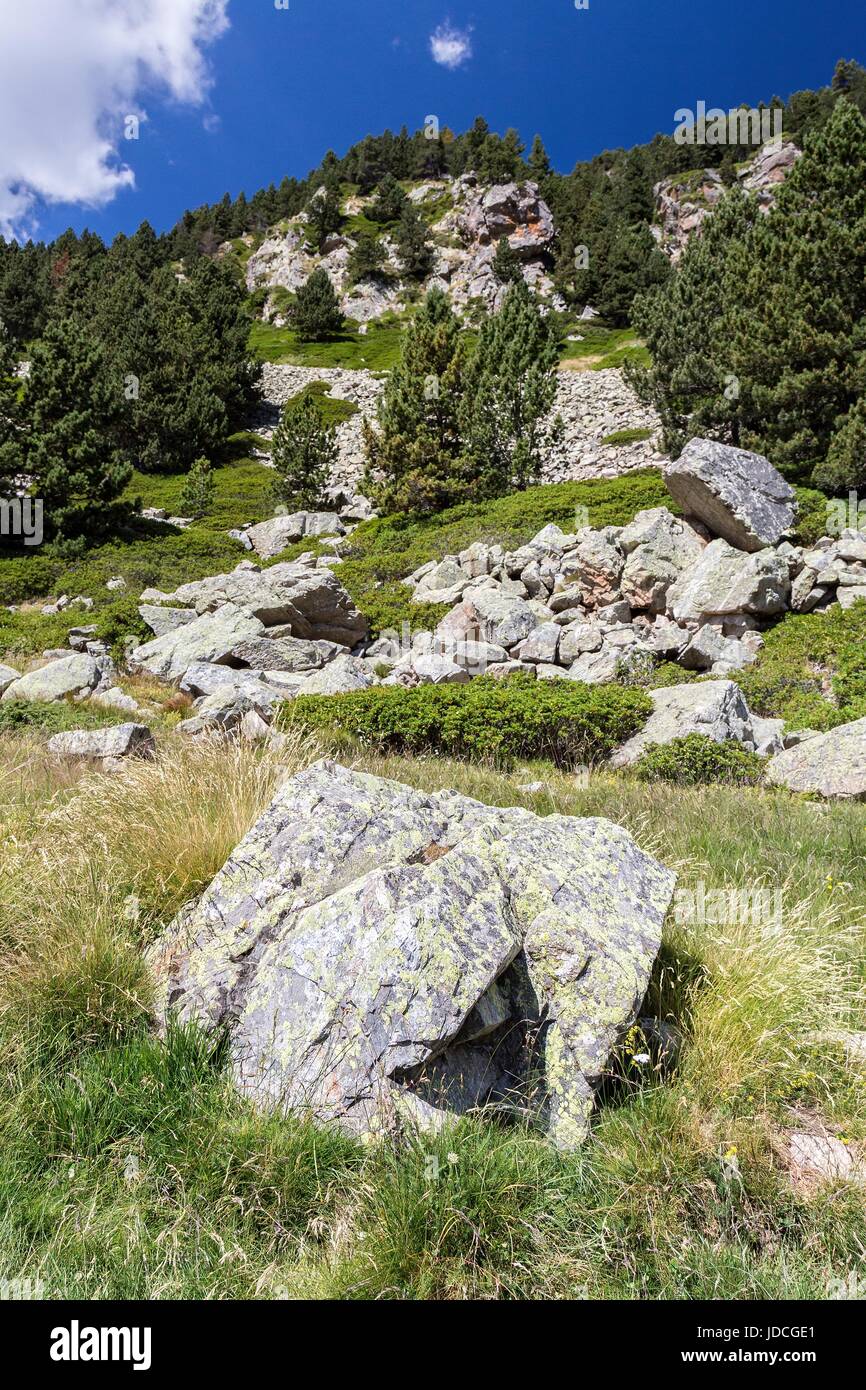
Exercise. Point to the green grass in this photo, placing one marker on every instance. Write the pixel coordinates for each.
(602, 348)
(634, 436)
(56, 717)
(332, 409)
(129, 1168)
(377, 350)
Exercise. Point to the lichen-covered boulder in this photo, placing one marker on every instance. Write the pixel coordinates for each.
(830, 765)
(716, 709)
(378, 953)
(210, 637)
(739, 495)
(725, 581)
(77, 675)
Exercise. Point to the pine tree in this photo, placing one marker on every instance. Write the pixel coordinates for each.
(691, 381)
(539, 164)
(845, 465)
(632, 265)
(413, 245)
(797, 325)
(199, 490)
(389, 203)
(71, 406)
(510, 392)
(304, 452)
(416, 461)
(506, 263)
(316, 312)
(324, 213)
(367, 258)
(11, 458)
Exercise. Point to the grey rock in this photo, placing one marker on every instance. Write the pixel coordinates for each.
(105, 746)
(500, 619)
(211, 638)
(541, 644)
(578, 638)
(75, 675)
(708, 647)
(739, 495)
(340, 676)
(729, 581)
(162, 620)
(284, 654)
(8, 674)
(768, 735)
(114, 698)
(716, 709)
(271, 538)
(310, 603)
(659, 548)
(379, 954)
(831, 765)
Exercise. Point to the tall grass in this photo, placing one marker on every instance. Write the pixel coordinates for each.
(129, 1168)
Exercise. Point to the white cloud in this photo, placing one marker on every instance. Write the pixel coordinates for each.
(71, 72)
(451, 47)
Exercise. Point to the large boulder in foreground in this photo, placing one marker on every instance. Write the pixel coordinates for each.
(716, 709)
(831, 765)
(739, 495)
(376, 954)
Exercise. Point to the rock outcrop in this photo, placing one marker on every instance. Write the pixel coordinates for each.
(380, 955)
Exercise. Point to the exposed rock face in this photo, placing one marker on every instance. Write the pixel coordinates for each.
(716, 709)
(830, 765)
(739, 495)
(108, 747)
(379, 953)
(684, 202)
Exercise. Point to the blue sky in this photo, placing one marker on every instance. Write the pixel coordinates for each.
(276, 88)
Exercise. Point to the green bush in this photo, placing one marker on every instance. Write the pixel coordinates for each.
(811, 671)
(518, 717)
(55, 717)
(697, 761)
(26, 576)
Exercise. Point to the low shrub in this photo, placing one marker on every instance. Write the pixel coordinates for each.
(811, 671)
(55, 717)
(519, 717)
(698, 761)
